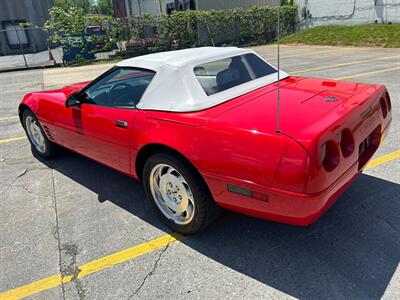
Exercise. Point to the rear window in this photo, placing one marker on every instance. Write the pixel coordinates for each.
(220, 75)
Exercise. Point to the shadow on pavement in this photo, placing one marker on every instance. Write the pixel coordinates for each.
(351, 252)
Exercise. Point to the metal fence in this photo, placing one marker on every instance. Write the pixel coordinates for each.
(143, 36)
(24, 48)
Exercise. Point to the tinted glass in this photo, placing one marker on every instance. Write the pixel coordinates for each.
(121, 87)
(227, 73)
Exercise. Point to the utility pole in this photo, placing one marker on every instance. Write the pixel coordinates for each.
(159, 3)
(140, 10)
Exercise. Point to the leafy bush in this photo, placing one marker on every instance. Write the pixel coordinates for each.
(253, 25)
(66, 27)
(181, 29)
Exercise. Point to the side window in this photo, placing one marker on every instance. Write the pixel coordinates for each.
(221, 75)
(123, 87)
(207, 73)
(16, 35)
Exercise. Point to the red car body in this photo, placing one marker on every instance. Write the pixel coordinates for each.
(329, 131)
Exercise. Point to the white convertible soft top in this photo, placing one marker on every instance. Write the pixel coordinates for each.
(175, 86)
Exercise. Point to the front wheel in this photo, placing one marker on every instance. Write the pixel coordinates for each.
(38, 139)
(178, 193)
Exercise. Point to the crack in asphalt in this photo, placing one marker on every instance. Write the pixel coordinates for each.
(21, 174)
(70, 250)
(28, 190)
(71, 269)
(148, 275)
(56, 232)
(13, 182)
(19, 162)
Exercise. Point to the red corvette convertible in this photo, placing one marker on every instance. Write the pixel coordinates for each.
(198, 128)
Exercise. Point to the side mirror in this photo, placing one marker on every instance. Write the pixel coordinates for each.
(73, 99)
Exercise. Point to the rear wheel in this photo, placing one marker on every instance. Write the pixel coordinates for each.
(178, 193)
(41, 145)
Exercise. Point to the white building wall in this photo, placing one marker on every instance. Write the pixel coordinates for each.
(137, 7)
(323, 12)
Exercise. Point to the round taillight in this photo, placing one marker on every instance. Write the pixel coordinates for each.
(347, 142)
(329, 153)
(384, 107)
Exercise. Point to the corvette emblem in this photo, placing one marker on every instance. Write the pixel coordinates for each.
(330, 99)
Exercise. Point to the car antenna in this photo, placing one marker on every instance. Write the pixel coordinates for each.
(278, 112)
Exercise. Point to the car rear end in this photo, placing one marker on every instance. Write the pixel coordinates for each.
(353, 132)
(356, 129)
(337, 146)
(332, 130)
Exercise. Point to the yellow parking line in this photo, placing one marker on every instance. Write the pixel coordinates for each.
(382, 160)
(93, 266)
(127, 254)
(343, 64)
(33, 288)
(13, 139)
(9, 118)
(368, 73)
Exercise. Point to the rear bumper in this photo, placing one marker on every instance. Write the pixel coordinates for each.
(280, 205)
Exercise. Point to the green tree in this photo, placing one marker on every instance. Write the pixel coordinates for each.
(286, 2)
(105, 7)
(86, 5)
(67, 28)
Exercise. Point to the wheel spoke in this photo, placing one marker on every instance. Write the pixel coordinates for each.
(188, 190)
(189, 209)
(182, 180)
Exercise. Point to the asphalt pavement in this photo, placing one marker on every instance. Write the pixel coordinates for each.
(74, 229)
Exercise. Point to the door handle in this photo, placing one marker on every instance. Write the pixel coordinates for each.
(121, 124)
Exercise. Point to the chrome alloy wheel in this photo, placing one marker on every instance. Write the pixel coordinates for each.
(35, 134)
(172, 194)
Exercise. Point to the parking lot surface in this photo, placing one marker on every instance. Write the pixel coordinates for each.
(74, 229)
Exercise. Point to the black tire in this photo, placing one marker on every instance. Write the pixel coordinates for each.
(206, 210)
(51, 149)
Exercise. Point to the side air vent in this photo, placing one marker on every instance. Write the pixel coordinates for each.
(48, 132)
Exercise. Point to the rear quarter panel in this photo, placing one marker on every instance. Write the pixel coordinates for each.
(213, 147)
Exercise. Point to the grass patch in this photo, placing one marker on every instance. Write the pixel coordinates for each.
(370, 35)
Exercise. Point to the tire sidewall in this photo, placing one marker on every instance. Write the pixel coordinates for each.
(198, 188)
(48, 152)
